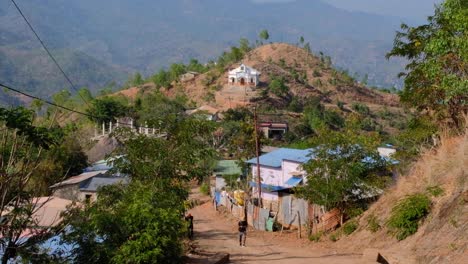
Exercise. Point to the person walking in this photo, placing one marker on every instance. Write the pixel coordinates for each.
(189, 219)
(242, 232)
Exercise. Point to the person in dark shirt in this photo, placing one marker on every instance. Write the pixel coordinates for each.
(189, 219)
(242, 232)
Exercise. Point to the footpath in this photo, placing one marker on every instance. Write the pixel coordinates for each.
(215, 232)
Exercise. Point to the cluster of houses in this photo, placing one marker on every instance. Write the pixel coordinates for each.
(280, 171)
(78, 189)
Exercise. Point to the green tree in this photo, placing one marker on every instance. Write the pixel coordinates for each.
(278, 87)
(139, 223)
(264, 35)
(176, 70)
(21, 150)
(436, 78)
(107, 109)
(161, 79)
(345, 167)
(244, 45)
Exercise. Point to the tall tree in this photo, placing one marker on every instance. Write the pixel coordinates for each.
(436, 78)
(264, 35)
(21, 151)
(344, 168)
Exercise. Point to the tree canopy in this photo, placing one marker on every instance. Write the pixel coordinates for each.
(436, 78)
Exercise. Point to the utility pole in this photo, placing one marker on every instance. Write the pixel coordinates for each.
(257, 149)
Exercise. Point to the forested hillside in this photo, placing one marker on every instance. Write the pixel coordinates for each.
(101, 41)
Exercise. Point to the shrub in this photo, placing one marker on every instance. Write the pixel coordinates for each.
(335, 236)
(340, 105)
(316, 73)
(316, 237)
(435, 191)
(278, 87)
(406, 214)
(361, 108)
(350, 227)
(205, 189)
(373, 223)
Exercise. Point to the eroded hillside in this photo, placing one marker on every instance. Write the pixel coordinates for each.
(442, 236)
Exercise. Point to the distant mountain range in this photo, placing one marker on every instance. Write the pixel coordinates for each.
(102, 41)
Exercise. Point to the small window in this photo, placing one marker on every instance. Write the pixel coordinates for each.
(88, 197)
(242, 68)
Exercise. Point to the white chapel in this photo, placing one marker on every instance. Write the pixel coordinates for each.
(244, 75)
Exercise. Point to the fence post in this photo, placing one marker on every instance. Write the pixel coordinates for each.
(299, 220)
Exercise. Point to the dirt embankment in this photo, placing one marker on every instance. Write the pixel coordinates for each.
(443, 235)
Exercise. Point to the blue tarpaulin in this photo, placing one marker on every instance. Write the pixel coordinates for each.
(218, 198)
(268, 187)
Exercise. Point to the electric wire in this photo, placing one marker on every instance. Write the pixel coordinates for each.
(64, 107)
(48, 52)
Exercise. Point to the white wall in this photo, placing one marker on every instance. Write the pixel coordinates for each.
(271, 176)
(289, 167)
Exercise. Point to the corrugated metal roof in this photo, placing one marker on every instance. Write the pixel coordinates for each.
(80, 178)
(94, 183)
(227, 167)
(293, 181)
(274, 158)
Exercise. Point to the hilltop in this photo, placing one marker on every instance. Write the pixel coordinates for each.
(305, 75)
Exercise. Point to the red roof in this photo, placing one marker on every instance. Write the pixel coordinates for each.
(274, 125)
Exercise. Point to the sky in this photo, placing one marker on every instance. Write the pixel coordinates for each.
(416, 10)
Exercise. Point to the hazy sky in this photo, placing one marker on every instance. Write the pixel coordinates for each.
(414, 9)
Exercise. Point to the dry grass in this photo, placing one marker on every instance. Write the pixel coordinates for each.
(442, 236)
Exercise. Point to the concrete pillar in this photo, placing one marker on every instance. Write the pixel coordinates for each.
(103, 128)
(110, 127)
(95, 130)
(146, 128)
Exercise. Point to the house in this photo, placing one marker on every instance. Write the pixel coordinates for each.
(89, 188)
(84, 186)
(244, 76)
(280, 171)
(206, 112)
(273, 130)
(70, 188)
(188, 76)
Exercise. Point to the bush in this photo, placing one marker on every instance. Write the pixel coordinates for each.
(316, 237)
(335, 236)
(350, 227)
(340, 105)
(316, 73)
(406, 214)
(373, 223)
(278, 87)
(435, 191)
(205, 189)
(361, 108)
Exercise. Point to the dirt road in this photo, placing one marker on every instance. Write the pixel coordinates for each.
(218, 233)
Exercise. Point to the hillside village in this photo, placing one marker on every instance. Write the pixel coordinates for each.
(270, 153)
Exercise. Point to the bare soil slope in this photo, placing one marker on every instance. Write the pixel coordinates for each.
(443, 236)
(305, 74)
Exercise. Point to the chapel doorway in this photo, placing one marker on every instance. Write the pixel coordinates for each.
(242, 81)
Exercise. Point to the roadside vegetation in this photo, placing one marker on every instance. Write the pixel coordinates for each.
(141, 222)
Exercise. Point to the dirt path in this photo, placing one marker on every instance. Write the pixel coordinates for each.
(217, 233)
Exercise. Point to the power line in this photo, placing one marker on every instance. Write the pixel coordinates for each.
(48, 52)
(61, 106)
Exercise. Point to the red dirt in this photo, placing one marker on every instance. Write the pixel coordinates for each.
(216, 232)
